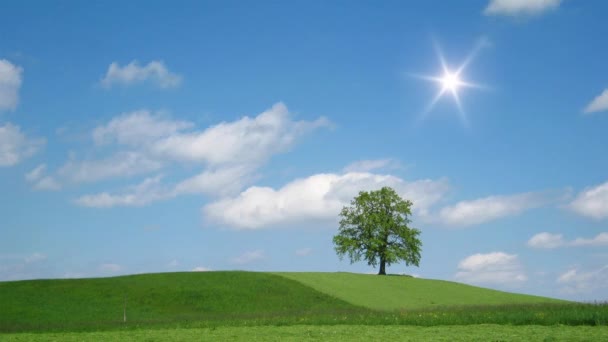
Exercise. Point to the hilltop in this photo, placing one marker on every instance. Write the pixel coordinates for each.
(229, 297)
(395, 292)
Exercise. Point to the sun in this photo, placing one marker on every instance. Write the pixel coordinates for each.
(451, 81)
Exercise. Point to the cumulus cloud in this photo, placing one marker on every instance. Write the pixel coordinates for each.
(10, 82)
(316, 198)
(229, 152)
(371, 165)
(36, 173)
(249, 257)
(576, 281)
(15, 146)
(40, 181)
(150, 190)
(132, 133)
(201, 269)
(467, 213)
(154, 72)
(138, 128)
(598, 104)
(592, 202)
(245, 141)
(47, 183)
(520, 7)
(491, 268)
(548, 240)
(248, 140)
(219, 182)
(121, 164)
(600, 239)
(73, 275)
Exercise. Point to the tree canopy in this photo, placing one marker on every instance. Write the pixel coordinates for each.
(375, 227)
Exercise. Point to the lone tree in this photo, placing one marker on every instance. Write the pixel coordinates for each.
(375, 227)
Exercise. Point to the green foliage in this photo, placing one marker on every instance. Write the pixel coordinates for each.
(401, 293)
(375, 228)
(486, 332)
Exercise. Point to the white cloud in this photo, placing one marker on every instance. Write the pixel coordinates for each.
(520, 7)
(245, 141)
(10, 82)
(598, 104)
(249, 257)
(36, 173)
(424, 194)
(15, 146)
(223, 181)
(230, 152)
(316, 198)
(155, 72)
(201, 269)
(303, 251)
(371, 165)
(173, 263)
(600, 239)
(40, 181)
(47, 183)
(546, 240)
(121, 164)
(490, 208)
(567, 276)
(491, 268)
(73, 275)
(592, 202)
(575, 281)
(137, 128)
(110, 268)
(150, 190)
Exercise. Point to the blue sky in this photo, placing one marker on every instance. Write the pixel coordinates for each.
(217, 136)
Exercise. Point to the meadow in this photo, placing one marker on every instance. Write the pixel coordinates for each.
(270, 306)
(488, 332)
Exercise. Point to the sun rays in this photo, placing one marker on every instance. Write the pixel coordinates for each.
(451, 81)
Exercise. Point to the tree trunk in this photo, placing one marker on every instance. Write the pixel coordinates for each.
(382, 266)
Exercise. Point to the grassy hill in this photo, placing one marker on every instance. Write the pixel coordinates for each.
(401, 292)
(210, 299)
(163, 297)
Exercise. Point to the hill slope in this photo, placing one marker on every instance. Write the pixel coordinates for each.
(401, 292)
(163, 297)
(196, 298)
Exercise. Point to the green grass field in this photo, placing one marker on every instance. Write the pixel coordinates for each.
(401, 292)
(335, 333)
(160, 298)
(227, 305)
